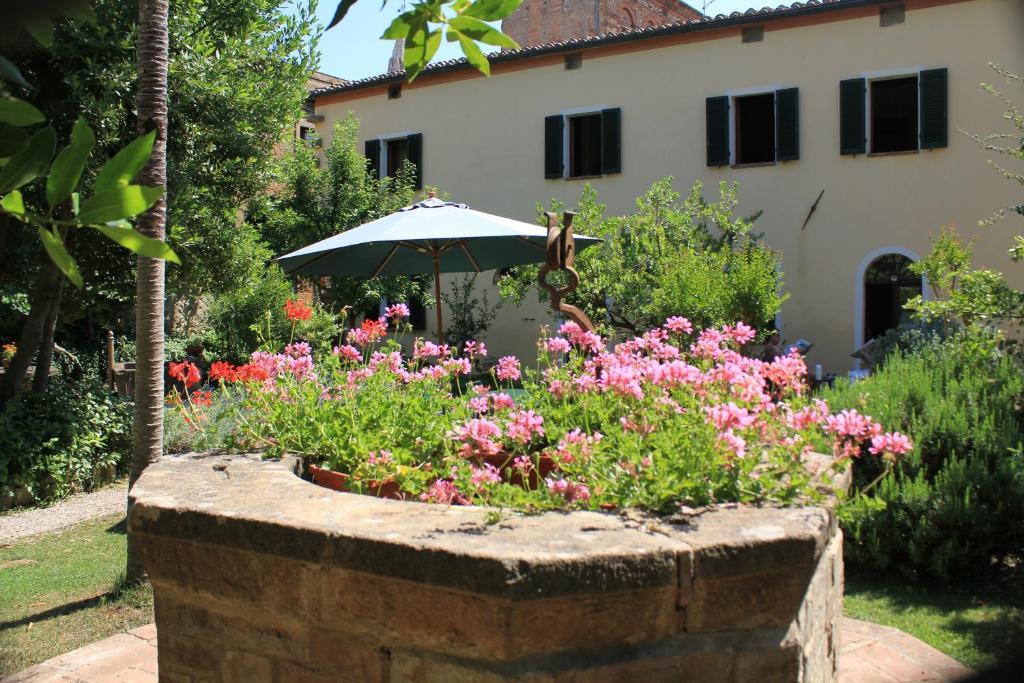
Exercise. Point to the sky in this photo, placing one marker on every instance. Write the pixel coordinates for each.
(353, 49)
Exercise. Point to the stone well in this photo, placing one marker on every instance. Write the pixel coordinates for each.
(261, 576)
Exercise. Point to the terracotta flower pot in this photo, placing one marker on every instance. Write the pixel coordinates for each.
(339, 481)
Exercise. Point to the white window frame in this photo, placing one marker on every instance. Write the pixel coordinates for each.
(746, 92)
(382, 162)
(566, 115)
(889, 75)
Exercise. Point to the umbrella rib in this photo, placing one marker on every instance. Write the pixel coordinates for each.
(310, 262)
(385, 261)
(465, 250)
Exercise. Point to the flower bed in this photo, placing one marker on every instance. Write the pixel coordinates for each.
(672, 418)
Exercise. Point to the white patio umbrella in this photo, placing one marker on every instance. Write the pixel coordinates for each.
(431, 236)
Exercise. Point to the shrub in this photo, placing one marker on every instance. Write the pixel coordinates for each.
(67, 439)
(955, 504)
(469, 317)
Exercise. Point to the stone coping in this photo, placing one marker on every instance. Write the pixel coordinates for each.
(250, 504)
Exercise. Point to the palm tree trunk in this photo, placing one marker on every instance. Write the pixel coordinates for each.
(151, 100)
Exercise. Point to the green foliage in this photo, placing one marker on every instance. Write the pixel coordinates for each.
(315, 202)
(1008, 144)
(67, 439)
(962, 295)
(953, 506)
(696, 259)
(469, 315)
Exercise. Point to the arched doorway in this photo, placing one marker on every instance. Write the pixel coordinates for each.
(888, 285)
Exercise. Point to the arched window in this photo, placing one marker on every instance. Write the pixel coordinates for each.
(888, 285)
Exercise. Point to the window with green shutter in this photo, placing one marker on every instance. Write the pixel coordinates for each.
(553, 131)
(611, 141)
(414, 153)
(372, 153)
(852, 129)
(717, 113)
(787, 124)
(934, 108)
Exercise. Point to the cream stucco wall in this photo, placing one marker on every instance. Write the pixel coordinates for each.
(483, 143)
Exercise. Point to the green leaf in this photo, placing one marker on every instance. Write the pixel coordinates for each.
(482, 32)
(70, 162)
(40, 28)
(130, 238)
(118, 203)
(420, 48)
(60, 256)
(13, 203)
(399, 28)
(12, 140)
(31, 162)
(491, 10)
(126, 164)
(11, 73)
(473, 53)
(19, 112)
(340, 12)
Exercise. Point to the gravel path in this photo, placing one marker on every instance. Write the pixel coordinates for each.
(78, 508)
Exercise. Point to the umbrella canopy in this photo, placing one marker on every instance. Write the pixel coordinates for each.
(431, 236)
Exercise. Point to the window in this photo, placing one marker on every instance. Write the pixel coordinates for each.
(583, 144)
(385, 156)
(894, 115)
(394, 91)
(753, 34)
(888, 285)
(890, 16)
(753, 129)
(397, 154)
(905, 112)
(574, 61)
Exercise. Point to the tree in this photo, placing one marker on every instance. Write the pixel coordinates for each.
(313, 202)
(696, 259)
(151, 101)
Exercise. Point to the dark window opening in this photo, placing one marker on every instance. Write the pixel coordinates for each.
(398, 152)
(888, 285)
(394, 91)
(890, 16)
(305, 132)
(755, 129)
(585, 145)
(417, 313)
(754, 34)
(894, 115)
(574, 61)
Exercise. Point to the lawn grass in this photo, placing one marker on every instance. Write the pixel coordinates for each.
(63, 590)
(978, 624)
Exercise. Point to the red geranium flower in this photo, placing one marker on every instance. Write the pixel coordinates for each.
(251, 372)
(202, 398)
(222, 370)
(296, 310)
(186, 373)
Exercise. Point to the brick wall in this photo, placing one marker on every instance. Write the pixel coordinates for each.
(260, 576)
(537, 22)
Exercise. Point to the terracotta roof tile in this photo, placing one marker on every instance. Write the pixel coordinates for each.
(704, 23)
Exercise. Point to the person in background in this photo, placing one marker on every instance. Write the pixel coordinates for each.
(772, 347)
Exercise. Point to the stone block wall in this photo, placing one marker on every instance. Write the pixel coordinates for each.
(260, 576)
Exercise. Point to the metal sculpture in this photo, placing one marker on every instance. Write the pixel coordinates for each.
(561, 253)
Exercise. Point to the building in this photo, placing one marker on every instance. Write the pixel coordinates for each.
(852, 106)
(318, 80)
(539, 22)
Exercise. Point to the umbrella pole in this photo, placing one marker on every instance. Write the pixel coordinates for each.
(437, 296)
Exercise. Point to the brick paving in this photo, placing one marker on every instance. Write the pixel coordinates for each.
(868, 653)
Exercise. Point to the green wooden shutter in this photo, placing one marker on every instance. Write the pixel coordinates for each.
(852, 116)
(415, 155)
(553, 131)
(933, 84)
(372, 153)
(717, 109)
(787, 124)
(611, 141)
